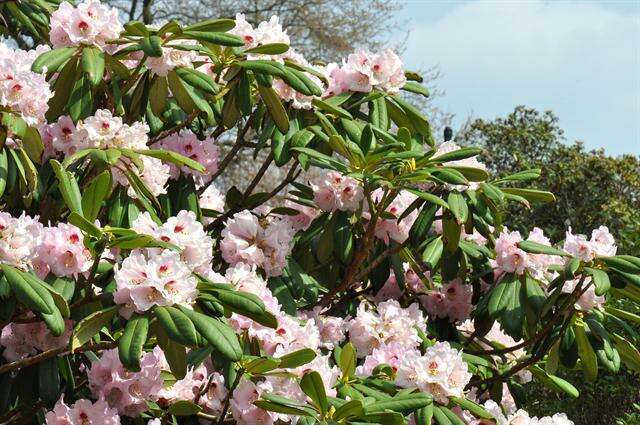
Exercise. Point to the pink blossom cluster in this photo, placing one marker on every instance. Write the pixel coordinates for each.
(124, 390)
(57, 138)
(396, 230)
(588, 300)
(287, 93)
(186, 143)
(147, 279)
(82, 412)
(184, 231)
(601, 244)
(90, 23)
(452, 300)
(388, 323)
(171, 58)
(19, 239)
(211, 199)
(332, 330)
(333, 191)
(441, 371)
(21, 90)
(363, 71)
(267, 32)
(304, 218)
(390, 354)
(22, 340)
(103, 131)
(519, 417)
(391, 289)
(512, 259)
(62, 252)
(263, 243)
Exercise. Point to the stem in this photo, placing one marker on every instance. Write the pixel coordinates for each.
(61, 351)
(227, 399)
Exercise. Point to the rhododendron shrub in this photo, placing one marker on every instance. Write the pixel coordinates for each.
(375, 283)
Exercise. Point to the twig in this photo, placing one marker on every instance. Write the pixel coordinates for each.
(61, 351)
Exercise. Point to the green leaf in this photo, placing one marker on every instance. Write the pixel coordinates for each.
(332, 109)
(600, 280)
(158, 94)
(212, 25)
(424, 415)
(261, 365)
(432, 253)
(401, 403)
(175, 353)
(198, 79)
(300, 82)
(538, 248)
(429, 197)
(80, 102)
(52, 60)
(94, 195)
(219, 38)
(131, 342)
(88, 327)
(4, 170)
(152, 46)
(275, 108)
(352, 408)
(531, 195)
(219, 334)
(174, 158)
(312, 385)
(36, 297)
(473, 407)
(68, 187)
(414, 87)
(458, 206)
(263, 67)
(177, 325)
(457, 155)
(93, 64)
(348, 360)
(586, 352)
(184, 408)
(297, 358)
(269, 49)
(281, 408)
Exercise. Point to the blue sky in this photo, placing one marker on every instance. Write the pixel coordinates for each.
(580, 59)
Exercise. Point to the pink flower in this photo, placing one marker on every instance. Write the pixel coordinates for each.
(22, 340)
(452, 300)
(390, 323)
(440, 371)
(391, 290)
(395, 229)
(211, 199)
(332, 329)
(171, 58)
(62, 252)
(83, 412)
(332, 191)
(304, 218)
(390, 354)
(267, 245)
(21, 90)
(19, 238)
(184, 231)
(600, 244)
(186, 143)
(124, 390)
(90, 23)
(143, 281)
(242, 407)
(588, 300)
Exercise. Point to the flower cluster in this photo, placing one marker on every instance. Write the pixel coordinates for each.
(440, 372)
(144, 281)
(333, 191)
(82, 412)
(267, 32)
(601, 244)
(397, 229)
(171, 58)
(471, 162)
(452, 300)
(187, 144)
(62, 252)
(263, 243)
(22, 90)
(363, 71)
(387, 324)
(90, 23)
(22, 340)
(510, 258)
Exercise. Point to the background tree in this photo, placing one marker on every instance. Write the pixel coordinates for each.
(581, 179)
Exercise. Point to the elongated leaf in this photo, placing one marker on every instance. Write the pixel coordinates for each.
(458, 206)
(275, 108)
(586, 352)
(68, 187)
(37, 298)
(52, 60)
(93, 64)
(219, 38)
(531, 195)
(219, 334)
(132, 340)
(177, 325)
(312, 385)
(297, 358)
(88, 327)
(538, 248)
(94, 195)
(403, 404)
(269, 49)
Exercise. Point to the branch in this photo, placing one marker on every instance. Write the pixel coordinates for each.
(61, 351)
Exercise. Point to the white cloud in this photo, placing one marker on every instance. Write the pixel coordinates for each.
(580, 59)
